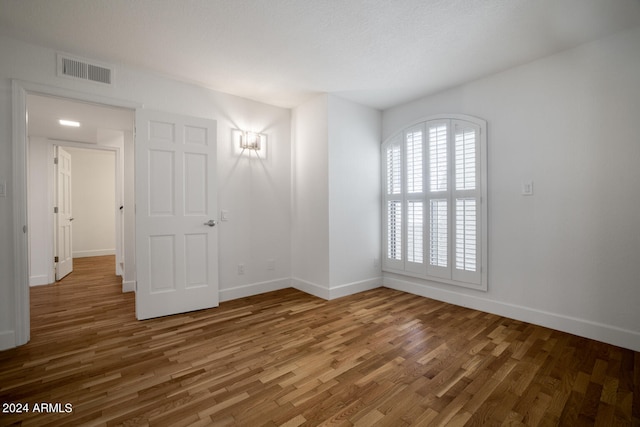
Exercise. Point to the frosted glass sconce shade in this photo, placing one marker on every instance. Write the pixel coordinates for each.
(251, 141)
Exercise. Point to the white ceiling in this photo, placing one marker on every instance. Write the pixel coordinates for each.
(376, 52)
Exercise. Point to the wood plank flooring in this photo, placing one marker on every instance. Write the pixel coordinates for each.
(286, 358)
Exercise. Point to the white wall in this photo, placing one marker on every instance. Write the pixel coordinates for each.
(258, 229)
(354, 197)
(93, 198)
(336, 197)
(566, 257)
(310, 209)
(256, 193)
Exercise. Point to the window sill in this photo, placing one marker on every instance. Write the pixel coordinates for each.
(478, 287)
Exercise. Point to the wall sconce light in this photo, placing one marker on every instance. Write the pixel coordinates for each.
(251, 141)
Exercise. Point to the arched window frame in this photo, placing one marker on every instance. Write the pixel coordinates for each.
(434, 210)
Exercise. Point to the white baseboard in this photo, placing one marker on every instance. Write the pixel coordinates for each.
(311, 288)
(336, 291)
(128, 286)
(39, 280)
(585, 328)
(355, 287)
(7, 340)
(93, 252)
(236, 292)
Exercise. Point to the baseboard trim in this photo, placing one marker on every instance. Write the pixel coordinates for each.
(236, 292)
(128, 286)
(38, 280)
(93, 252)
(7, 340)
(585, 328)
(354, 287)
(311, 288)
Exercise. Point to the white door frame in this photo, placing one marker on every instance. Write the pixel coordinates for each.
(20, 89)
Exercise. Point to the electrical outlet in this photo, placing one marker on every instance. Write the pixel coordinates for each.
(240, 268)
(527, 188)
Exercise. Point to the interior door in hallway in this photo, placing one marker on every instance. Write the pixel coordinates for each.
(64, 242)
(176, 205)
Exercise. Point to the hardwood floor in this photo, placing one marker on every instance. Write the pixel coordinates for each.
(381, 357)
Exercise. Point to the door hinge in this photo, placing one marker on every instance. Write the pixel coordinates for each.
(55, 259)
(24, 228)
(55, 160)
(55, 209)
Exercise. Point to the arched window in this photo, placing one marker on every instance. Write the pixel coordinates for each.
(435, 201)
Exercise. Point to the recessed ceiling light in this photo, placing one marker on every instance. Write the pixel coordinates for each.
(69, 123)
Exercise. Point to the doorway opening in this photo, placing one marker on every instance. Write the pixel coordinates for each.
(173, 175)
(87, 203)
(21, 117)
(89, 197)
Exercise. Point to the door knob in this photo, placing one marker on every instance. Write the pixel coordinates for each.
(210, 223)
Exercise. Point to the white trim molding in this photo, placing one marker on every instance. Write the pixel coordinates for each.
(128, 286)
(93, 252)
(22, 321)
(336, 291)
(311, 288)
(253, 289)
(355, 287)
(7, 340)
(39, 280)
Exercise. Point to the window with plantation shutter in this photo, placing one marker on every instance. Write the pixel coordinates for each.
(435, 211)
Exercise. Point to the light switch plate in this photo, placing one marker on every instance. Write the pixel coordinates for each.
(224, 215)
(527, 188)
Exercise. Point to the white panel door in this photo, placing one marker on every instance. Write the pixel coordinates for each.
(176, 205)
(64, 248)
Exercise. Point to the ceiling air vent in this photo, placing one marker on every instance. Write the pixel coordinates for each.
(83, 69)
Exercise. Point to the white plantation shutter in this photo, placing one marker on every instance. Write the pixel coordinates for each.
(415, 235)
(394, 230)
(394, 169)
(438, 233)
(467, 199)
(414, 201)
(466, 234)
(438, 195)
(438, 157)
(465, 142)
(435, 214)
(413, 139)
(393, 212)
